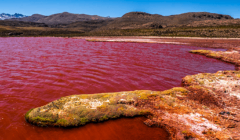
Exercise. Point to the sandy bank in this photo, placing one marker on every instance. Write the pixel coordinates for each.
(225, 43)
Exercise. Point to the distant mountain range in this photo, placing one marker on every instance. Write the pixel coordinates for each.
(140, 20)
(4, 16)
(131, 20)
(203, 24)
(60, 18)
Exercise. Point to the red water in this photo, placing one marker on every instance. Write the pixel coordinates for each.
(35, 71)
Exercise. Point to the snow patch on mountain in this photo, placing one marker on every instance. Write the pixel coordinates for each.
(4, 16)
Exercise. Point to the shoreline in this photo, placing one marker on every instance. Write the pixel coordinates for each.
(161, 37)
(201, 111)
(224, 43)
(194, 111)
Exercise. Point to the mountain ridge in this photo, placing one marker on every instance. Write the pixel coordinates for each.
(132, 23)
(60, 18)
(145, 20)
(128, 20)
(4, 16)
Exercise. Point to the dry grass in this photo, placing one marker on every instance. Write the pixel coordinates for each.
(185, 31)
(226, 56)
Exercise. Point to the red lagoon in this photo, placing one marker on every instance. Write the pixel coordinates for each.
(35, 71)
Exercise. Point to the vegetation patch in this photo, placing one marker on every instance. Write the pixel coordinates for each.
(231, 56)
(78, 110)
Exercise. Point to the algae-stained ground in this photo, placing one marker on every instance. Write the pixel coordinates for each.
(209, 109)
(78, 110)
(219, 93)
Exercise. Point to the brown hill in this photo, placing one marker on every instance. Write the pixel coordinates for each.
(66, 18)
(137, 20)
(60, 18)
(85, 26)
(33, 18)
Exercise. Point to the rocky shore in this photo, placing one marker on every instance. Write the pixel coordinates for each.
(206, 107)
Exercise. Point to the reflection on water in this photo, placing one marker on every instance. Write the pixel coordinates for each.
(35, 71)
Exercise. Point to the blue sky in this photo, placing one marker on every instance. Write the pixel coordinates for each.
(116, 8)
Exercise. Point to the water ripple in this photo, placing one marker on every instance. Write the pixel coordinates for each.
(35, 71)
